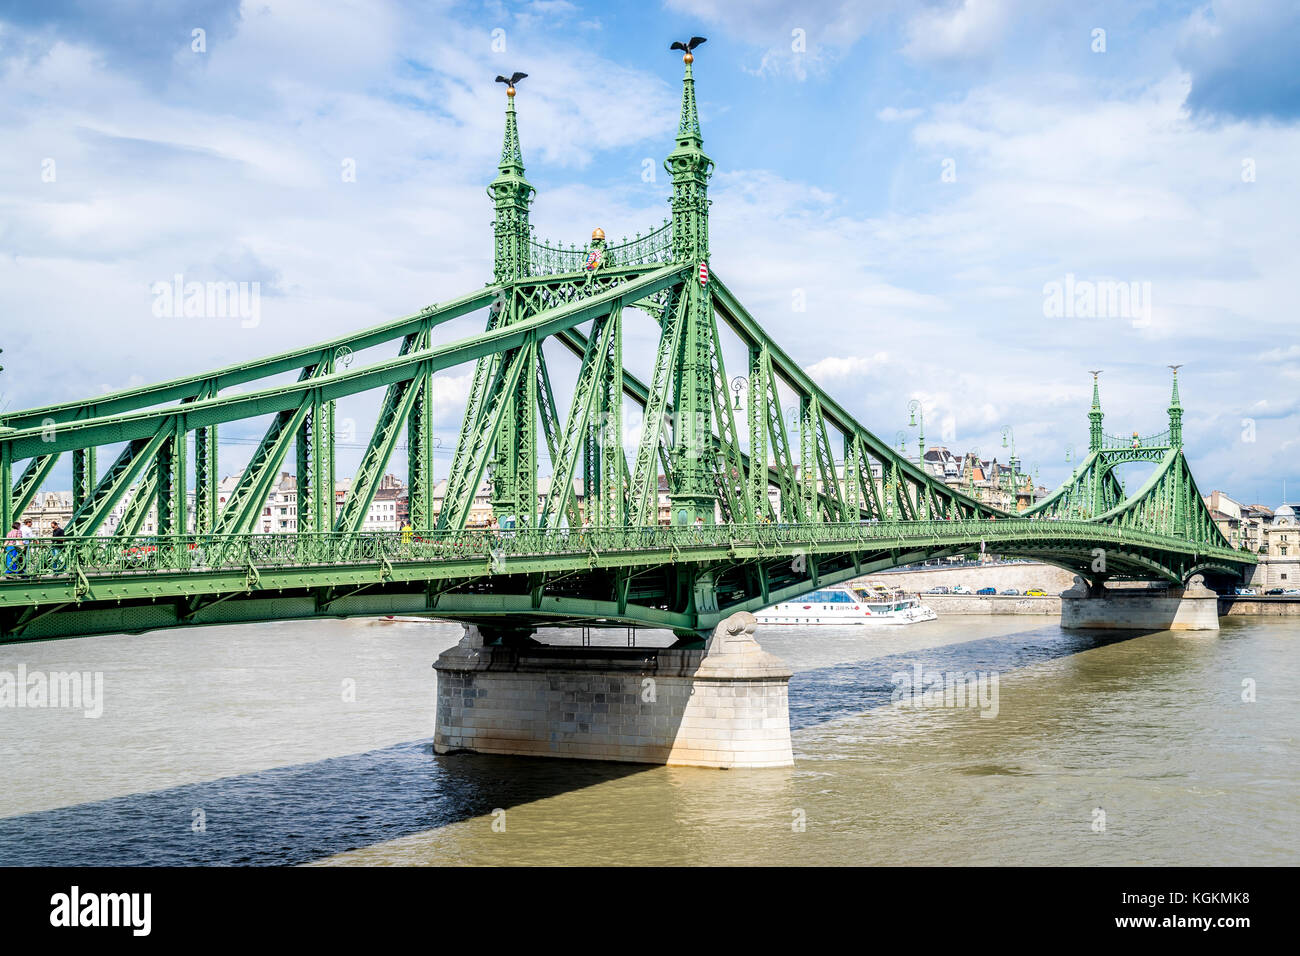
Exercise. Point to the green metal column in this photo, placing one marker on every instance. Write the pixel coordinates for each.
(758, 474)
(316, 506)
(612, 462)
(419, 457)
(852, 508)
(172, 501)
(807, 469)
(524, 434)
(591, 475)
(314, 443)
(302, 456)
(83, 475)
(6, 483)
(206, 478)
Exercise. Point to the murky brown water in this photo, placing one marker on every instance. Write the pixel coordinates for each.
(294, 743)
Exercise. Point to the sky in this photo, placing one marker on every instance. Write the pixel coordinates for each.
(903, 193)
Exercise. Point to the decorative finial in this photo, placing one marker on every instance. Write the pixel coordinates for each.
(597, 234)
(510, 83)
(687, 47)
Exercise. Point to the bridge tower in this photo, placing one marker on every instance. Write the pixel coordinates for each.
(511, 194)
(513, 464)
(692, 491)
(1095, 417)
(1175, 414)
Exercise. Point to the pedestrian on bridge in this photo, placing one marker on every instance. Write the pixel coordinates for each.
(13, 547)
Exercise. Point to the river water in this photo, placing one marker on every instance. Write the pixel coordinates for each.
(311, 743)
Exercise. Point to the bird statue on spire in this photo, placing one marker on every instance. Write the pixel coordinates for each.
(687, 47)
(510, 83)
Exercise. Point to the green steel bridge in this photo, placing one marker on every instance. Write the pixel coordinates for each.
(753, 519)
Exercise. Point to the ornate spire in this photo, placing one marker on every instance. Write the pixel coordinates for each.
(511, 193)
(1175, 413)
(512, 157)
(1095, 416)
(688, 127)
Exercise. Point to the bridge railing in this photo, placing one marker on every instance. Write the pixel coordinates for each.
(1135, 441)
(656, 246)
(144, 555)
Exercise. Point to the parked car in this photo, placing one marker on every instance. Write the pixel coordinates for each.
(1035, 592)
(987, 591)
(960, 589)
(1274, 591)
(1292, 591)
(1246, 591)
(1011, 591)
(939, 589)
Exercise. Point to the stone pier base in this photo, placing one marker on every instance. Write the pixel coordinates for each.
(724, 706)
(1193, 608)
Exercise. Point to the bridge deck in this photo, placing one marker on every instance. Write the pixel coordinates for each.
(171, 581)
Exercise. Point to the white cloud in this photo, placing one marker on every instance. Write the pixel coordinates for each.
(966, 30)
(844, 366)
(892, 114)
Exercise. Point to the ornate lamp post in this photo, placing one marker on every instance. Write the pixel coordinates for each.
(739, 384)
(1012, 485)
(915, 411)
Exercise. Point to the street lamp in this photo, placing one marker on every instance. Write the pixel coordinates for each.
(915, 409)
(739, 384)
(1008, 433)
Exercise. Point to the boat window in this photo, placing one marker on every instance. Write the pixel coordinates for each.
(829, 597)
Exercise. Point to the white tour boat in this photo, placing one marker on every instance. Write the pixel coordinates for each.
(842, 604)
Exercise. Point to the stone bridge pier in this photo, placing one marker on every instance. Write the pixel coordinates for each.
(726, 705)
(1191, 608)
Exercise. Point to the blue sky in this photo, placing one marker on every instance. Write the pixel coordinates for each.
(1168, 159)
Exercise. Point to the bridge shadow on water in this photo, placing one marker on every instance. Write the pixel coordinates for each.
(831, 693)
(291, 815)
(294, 814)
